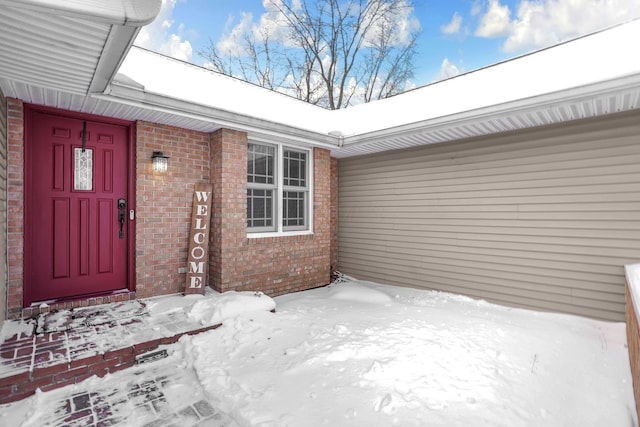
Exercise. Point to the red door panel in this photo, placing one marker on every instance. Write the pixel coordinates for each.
(105, 225)
(72, 230)
(61, 244)
(83, 236)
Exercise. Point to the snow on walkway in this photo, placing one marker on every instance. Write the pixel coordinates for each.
(363, 354)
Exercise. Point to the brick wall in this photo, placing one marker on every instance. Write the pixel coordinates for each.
(334, 214)
(15, 205)
(3, 207)
(164, 203)
(633, 340)
(274, 265)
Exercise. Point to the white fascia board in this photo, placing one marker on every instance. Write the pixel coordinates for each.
(620, 85)
(134, 13)
(602, 56)
(138, 96)
(172, 78)
(577, 69)
(115, 50)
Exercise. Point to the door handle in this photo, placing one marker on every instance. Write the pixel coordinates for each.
(122, 207)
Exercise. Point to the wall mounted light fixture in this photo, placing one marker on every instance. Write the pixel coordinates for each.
(159, 161)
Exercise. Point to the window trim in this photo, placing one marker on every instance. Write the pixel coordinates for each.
(295, 189)
(268, 187)
(280, 230)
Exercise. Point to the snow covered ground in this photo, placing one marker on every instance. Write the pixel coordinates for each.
(364, 354)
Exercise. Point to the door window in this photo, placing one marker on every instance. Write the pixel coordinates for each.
(83, 169)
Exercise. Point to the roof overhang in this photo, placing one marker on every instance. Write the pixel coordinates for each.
(591, 76)
(597, 99)
(595, 75)
(73, 46)
(200, 116)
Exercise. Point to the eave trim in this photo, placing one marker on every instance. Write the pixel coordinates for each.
(135, 13)
(132, 96)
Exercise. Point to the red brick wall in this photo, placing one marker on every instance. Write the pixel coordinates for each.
(633, 340)
(334, 214)
(274, 265)
(3, 207)
(15, 206)
(229, 206)
(164, 203)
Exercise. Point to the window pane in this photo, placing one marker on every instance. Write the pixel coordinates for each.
(295, 171)
(260, 164)
(83, 169)
(259, 208)
(294, 209)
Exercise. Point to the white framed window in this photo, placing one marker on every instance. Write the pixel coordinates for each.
(261, 187)
(279, 189)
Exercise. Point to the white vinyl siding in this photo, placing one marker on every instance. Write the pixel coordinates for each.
(543, 218)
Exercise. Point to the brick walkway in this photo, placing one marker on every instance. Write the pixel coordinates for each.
(151, 395)
(67, 354)
(69, 346)
(63, 337)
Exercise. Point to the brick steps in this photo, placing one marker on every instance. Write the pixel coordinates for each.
(26, 382)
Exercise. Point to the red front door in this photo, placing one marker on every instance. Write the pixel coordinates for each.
(76, 225)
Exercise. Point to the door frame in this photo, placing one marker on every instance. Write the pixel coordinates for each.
(29, 110)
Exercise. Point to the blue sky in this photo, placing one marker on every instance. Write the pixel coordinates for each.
(457, 35)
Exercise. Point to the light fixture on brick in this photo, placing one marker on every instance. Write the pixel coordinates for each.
(159, 161)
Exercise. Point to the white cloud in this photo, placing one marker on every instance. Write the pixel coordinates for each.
(271, 25)
(159, 37)
(476, 8)
(545, 23)
(447, 70)
(399, 18)
(453, 27)
(232, 43)
(541, 23)
(496, 21)
(406, 23)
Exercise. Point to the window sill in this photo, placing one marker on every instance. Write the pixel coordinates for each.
(279, 234)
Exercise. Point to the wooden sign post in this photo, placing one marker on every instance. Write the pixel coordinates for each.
(198, 260)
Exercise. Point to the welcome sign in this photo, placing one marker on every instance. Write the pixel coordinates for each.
(198, 260)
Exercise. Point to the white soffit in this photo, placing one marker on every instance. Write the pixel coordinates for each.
(72, 46)
(66, 60)
(588, 102)
(590, 76)
(593, 75)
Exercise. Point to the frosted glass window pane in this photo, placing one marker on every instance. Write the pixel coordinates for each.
(83, 169)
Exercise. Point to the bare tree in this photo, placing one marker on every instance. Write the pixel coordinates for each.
(332, 53)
